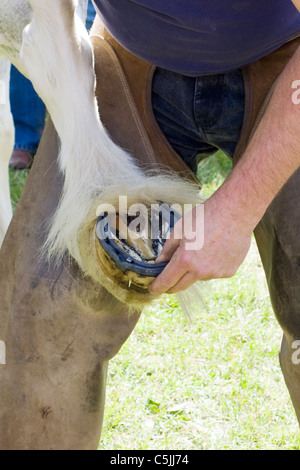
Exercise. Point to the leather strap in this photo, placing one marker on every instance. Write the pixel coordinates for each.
(124, 84)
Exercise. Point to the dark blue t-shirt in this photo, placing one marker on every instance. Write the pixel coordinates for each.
(197, 37)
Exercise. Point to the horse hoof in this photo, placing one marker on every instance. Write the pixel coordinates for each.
(134, 243)
(120, 241)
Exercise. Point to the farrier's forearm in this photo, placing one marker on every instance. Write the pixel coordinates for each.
(271, 157)
(297, 4)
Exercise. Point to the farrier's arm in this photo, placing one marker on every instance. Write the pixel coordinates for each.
(234, 210)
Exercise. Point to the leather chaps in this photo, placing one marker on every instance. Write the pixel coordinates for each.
(277, 235)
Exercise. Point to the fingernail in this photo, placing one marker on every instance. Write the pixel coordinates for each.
(160, 259)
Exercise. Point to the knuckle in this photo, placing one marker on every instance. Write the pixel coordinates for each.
(185, 258)
(207, 273)
(230, 272)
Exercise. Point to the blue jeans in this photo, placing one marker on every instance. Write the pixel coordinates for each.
(199, 115)
(27, 108)
(28, 112)
(90, 15)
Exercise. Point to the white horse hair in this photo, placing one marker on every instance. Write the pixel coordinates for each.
(48, 42)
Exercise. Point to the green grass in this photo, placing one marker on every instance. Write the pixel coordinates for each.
(212, 383)
(17, 181)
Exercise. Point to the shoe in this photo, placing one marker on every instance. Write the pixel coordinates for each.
(21, 160)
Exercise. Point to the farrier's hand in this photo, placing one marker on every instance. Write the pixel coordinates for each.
(226, 240)
(231, 214)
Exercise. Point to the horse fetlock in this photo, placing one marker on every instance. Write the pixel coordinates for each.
(125, 232)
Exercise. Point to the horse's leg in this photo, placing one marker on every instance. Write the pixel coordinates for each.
(60, 329)
(6, 146)
(58, 57)
(278, 241)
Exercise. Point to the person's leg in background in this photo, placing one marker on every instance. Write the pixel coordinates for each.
(29, 112)
(90, 15)
(29, 118)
